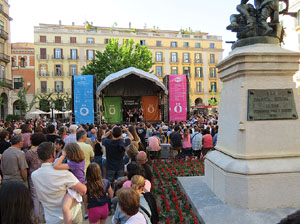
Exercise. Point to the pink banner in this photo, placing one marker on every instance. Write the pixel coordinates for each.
(177, 97)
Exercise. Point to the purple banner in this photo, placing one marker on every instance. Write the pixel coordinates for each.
(177, 97)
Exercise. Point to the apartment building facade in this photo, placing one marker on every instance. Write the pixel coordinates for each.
(23, 72)
(62, 50)
(5, 67)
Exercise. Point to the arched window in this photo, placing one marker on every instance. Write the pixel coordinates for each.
(22, 62)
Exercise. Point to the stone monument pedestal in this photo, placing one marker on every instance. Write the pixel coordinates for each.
(256, 164)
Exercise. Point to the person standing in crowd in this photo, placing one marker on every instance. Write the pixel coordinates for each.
(62, 132)
(99, 193)
(154, 146)
(34, 163)
(129, 203)
(86, 148)
(176, 142)
(187, 146)
(141, 131)
(72, 136)
(51, 136)
(136, 139)
(135, 115)
(4, 144)
(16, 205)
(138, 185)
(115, 150)
(75, 164)
(26, 134)
(13, 162)
(141, 114)
(196, 139)
(141, 158)
(59, 145)
(93, 134)
(52, 185)
(215, 137)
(207, 143)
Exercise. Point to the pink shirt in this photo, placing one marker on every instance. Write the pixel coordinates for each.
(187, 141)
(127, 184)
(154, 143)
(207, 141)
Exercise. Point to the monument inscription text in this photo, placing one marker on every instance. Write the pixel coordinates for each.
(271, 104)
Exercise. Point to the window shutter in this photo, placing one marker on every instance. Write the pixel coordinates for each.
(62, 68)
(76, 70)
(55, 86)
(93, 54)
(70, 53)
(70, 69)
(54, 53)
(62, 53)
(87, 54)
(62, 86)
(76, 53)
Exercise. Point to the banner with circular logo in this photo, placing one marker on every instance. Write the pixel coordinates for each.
(177, 97)
(150, 108)
(112, 109)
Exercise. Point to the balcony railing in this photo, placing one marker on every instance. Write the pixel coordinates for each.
(57, 58)
(175, 61)
(213, 76)
(198, 61)
(42, 56)
(186, 61)
(3, 34)
(215, 90)
(41, 74)
(4, 57)
(62, 91)
(197, 76)
(7, 83)
(160, 60)
(43, 91)
(73, 58)
(212, 62)
(58, 74)
(198, 91)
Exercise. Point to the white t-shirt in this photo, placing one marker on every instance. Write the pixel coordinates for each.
(51, 186)
(136, 219)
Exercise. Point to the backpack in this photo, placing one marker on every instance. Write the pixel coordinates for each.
(153, 207)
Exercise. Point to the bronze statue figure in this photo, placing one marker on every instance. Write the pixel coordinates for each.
(253, 20)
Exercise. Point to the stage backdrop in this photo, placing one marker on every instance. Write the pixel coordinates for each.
(177, 98)
(112, 109)
(150, 108)
(83, 97)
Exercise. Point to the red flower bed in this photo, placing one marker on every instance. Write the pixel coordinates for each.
(173, 205)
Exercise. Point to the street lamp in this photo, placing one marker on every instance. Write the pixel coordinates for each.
(52, 107)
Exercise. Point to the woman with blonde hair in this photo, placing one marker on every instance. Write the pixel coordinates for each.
(137, 184)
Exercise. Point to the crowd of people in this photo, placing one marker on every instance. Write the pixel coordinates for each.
(59, 169)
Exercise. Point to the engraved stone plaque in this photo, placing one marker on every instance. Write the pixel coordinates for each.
(271, 104)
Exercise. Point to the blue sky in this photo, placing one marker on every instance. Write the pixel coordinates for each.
(208, 16)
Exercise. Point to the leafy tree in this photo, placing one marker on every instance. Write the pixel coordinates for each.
(44, 101)
(25, 106)
(116, 57)
(213, 100)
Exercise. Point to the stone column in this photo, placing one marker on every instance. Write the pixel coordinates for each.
(256, 164)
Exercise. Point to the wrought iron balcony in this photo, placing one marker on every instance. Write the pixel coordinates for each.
(3, 34)
(73, 58)
(186, 61)
(42, 57)
(58, 74)
(41, 74)
(198, 61)
(6, 83)
(57, 58)
(43, 91)
(4, 57)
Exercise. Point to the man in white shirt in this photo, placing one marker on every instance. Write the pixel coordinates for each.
(51, 186)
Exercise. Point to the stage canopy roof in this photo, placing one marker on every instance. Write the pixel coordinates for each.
(131, 82)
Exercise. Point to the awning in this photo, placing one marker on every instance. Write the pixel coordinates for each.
(131, 82)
